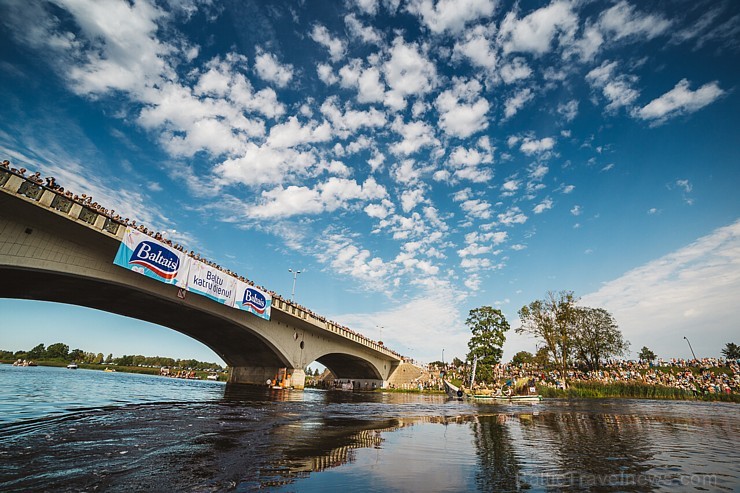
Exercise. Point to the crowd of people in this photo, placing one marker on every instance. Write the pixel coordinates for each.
(700, 376)
(85, 200)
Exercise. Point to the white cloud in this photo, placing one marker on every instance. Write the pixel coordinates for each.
(450, 15)
(407, 72)
(292, 133)
(122, 55)
(535, 32)
(326, 74)
(568, 110)
(366, 34)
(622, 21)
(328, 196)
(350, 121)
(416, 135)
(477, 48)
(533, 146)
(516, 69)
(476, 208)
(691, 292)
(512, 216)
(685, 185)
(577, 210)
(680, 100)
(617, 89)
(517, 102)
(462, 111)
(270, 70)
(336, 47)
(543, 206)
(411, 198)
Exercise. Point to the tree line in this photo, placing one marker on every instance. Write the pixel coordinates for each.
(568, 335)
(61, 352)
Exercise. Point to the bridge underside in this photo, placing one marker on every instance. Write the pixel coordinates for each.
(344, 366)
(221, 335)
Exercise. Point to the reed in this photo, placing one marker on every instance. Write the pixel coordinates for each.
(631, 391)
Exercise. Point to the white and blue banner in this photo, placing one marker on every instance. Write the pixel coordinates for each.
(211, 282)
(141, 253)
(252, 300)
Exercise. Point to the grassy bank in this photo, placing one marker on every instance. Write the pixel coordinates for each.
(632, 391)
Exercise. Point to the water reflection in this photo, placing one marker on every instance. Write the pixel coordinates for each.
(499, 467)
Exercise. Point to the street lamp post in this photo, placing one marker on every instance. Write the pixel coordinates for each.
(380, 334)
(692, 349)
(295, 277)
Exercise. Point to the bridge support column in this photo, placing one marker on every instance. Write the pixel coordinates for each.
(298, 379)
(259, 375)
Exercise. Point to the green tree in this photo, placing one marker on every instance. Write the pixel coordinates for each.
(731, 351)
(39, 352)
(646, 355)
(57, 351)
(76, 355)
(552, 320)
(597, 337)
(457, 362)
(99, 359)
(489, 327)
(522, 358)
(125, 360)
(109, 359)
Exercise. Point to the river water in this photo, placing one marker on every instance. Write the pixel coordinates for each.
(79, 430)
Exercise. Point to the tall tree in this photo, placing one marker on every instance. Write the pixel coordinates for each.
(489, 327)
(731, 351)
(597, 337)
(57, 351)
(552, 320)
(646, 354)
(39, 352)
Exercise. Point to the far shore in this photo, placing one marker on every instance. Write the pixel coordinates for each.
(144, 370)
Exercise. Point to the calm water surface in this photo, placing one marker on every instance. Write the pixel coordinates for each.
(66, 430)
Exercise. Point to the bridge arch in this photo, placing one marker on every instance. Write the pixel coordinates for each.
(347, 366)
(222, 335)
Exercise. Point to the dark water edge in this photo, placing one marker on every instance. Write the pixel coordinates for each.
(240, 438)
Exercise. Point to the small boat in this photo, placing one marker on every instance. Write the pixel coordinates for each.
(505, 398)
(452, 391)
(212, 376)
(72, 366)
(455, 393)
(109, 370)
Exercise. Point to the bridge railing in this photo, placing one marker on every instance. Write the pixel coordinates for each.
(59, 202)
(19, 184)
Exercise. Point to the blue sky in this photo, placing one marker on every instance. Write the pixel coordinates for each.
(415, 159)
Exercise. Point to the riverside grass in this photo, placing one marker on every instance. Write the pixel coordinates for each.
(594, 390)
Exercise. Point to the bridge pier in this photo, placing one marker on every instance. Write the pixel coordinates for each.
(259, 375)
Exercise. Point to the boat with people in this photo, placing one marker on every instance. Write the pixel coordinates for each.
(506, 395)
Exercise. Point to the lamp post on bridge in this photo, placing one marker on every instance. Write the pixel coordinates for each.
(380, 334)
(692, 349)
(295, 277)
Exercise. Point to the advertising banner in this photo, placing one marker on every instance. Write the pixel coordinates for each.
(211, 282)
(252, 300)
(141, 253)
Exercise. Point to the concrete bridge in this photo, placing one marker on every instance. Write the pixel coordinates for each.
(56, 249)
